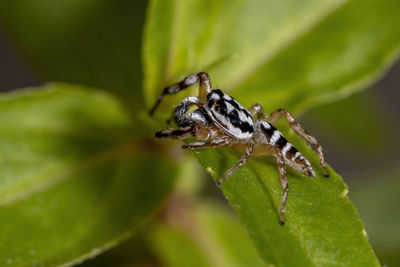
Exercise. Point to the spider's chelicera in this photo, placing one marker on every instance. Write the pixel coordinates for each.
(220, 121)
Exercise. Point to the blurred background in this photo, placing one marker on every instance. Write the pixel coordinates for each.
(359, 134)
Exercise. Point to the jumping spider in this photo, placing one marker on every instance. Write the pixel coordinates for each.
(220, 121)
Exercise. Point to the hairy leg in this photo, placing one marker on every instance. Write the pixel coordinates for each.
(181, 133)
(205, 88)
(274, 117)
(212, 144)
(259, 149)
(194, 129)
(240, 163)
(280, 161)
(257, 111)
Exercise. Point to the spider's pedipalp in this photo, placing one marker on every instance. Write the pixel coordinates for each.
(195, 117)
(183, 107)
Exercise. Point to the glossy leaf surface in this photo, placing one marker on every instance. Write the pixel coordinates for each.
(322, 227)
(75, 177)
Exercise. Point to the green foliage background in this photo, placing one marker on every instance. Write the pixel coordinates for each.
(80, 171)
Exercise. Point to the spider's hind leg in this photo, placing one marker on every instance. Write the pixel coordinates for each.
(205, 87)
(280, 161)
(274, 117)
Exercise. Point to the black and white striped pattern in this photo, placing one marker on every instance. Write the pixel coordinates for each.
(220, 120)
(266, 133)
(229, 115)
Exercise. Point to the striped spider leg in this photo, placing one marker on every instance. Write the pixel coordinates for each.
(284, 152)
(220, 120)
(201, 77)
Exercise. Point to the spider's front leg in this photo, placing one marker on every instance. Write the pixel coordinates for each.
(204, 89)
(215, 143)
(181, 133)
(274, 117)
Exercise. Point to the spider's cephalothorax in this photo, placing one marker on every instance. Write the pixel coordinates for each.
(220, 121)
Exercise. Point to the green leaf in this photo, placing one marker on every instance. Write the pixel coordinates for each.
(322, 227)
(209, 236)
(76, 177)
(291, 54)
(287, 54)
(91, 42)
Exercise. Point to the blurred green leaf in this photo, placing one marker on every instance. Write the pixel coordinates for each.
(191, 177)
(345, 122)
(208, 236)
(54, 132)
(91, 42)
(134, 252)
(176, 248)
(76, 179)
(322, 227)
(291, 54)
(377, 197)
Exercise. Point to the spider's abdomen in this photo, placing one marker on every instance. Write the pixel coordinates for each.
(229, 115)
(266, 133)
